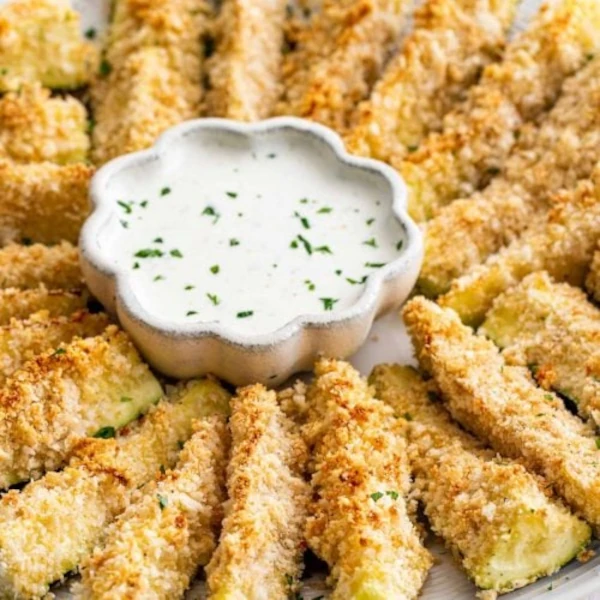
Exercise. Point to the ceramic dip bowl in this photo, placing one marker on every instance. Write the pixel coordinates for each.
(246, 250)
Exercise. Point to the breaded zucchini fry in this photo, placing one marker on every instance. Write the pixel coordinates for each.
(19, 304)
(43, 202)
(554, 330)
(563, 244)
(359, 522)
(338, 57)
(260, 549)
(493, 515)
(452, 42)
(158, 543)
(592, 281)
(466, 232)
(22, 340)
(478, 137)
(88, 387)
(35, 127)
(40, 41)
(56, 521)
(501, 404)
(245, 71)
(150, 77)
(31, 266)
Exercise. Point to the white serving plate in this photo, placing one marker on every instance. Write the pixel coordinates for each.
(388, 342)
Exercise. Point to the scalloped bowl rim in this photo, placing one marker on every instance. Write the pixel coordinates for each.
(102, 210)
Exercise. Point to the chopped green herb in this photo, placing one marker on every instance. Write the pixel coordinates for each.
(306, 244)
(372, 242)
(412, 149)
(124, 224)
(293, 244)
(158, 278)
(399, 245)
(376, 496)
(549, 397)
(211, 212)
(105, 68)
(598, 443)
(374, 265)
(493, 171)
(304, 201)
(215, 269)
(190, 313)
(90, 34)
(232, 194)
(392, 494)
(310, 285)
(323, 249)
(289, 579)
(162, 469)
(338, 272)
(325, 210)
(4, 71)
(144, 203)
(370, 221)
(136, 265)
(158, 240)
(91, 125)
(148, 253)
(234, 242)
(165, 191)
(126, 399)
(59, 351)
(305, 222)
(105, 433)
(176, 253)
(329, 303)
(407, 416)
(357, 281)
(163, 501)
(245, 314)
(126, 206)
(187, 288)
(272, 155)
(214, 299)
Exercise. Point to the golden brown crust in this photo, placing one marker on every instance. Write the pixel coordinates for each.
(260, 549)
(592, 281)
(358, 521)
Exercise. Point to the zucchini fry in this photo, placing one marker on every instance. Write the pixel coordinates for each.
(478, 137)
(467, 231)
(31, 266)
(592, 281)
(150, 78)
(554, 330)
(43, 202)
(338, 57)
(40, 41)
(359, 522)
(563, 244)
(155, 547)
(88, 387)
(502, 405)
(260, 549)
(452, 42)
(494, 515)
(245, 71)
(35, 127)
(102, 478)
(19, 304)
(22, 340)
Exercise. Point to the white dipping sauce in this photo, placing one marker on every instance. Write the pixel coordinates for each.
(251, 236)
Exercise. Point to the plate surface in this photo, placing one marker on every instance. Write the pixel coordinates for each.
(388, 342)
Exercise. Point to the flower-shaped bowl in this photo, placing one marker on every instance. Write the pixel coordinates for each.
(295, 161)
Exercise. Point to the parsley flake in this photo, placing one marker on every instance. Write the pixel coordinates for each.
(304, 201)
(105, 68)
(372, 242)
(245, 314)
(408, 416)
(357, 281)
(399, 245)
(187, 288)
(176, 253)
(307, 245)
(323, 250)
(124, 224)
(158, 240)
(325, 210)
(305, 222)
(214, 299)
(136, 265)
(59, 351)
(392, 494)
(215, 269)
(211, 212)
(165, 191)
(90, 34)
(144, 203)
(158, 278)
(598, 443)
(376, 496)
(148, 253)
(370, 221)
(163, 501)
(105, 433)
(329, 303)
(126, 206)
(126, 399)
(234, 242)
(190, 313)
(232, 194)
(310, 285)
(374, 265)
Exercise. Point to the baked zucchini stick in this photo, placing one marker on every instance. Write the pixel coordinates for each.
(43, 202)
(478, 137)
(41, 41)
(35, 127)
(494, 515)
(23, 340)
(245, 71)
(36, 265)
(88, 387)
(452, 42)
(592, 281)
(467, 231)
(563, 244)
(155, 547)
(501, 404)
(260, 549)
(338, 58)
(359, 522)
(20, 304)
(553, 329)
(150, 78)
(56, 521)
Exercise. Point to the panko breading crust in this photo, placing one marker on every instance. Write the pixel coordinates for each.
(359, 522)
(565, 149)
(592, 281)
(35, 127)
(562, 243)
(245, 71)
(43, 202)
(452, 41)
(260, 549)
(477, 137)
(31, 266)
(501, 404)
(338, 56)
(155, 547)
